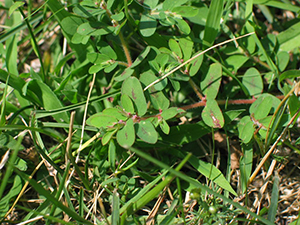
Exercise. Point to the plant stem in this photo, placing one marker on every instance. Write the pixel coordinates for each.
(125, 48)
(115, 24)
(223, 102)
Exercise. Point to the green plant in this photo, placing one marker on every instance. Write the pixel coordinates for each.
(130, 72)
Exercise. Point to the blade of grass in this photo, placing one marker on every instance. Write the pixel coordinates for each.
(115, 217)
(278, 4)
(40, 189)
(3, 105)
(198, 185)
(250, 28)
(267, 155)
(274, 199)
(43, 215)
(34, 44)
(213, 21)
(62, 181)
(10, 166)
(153, 192)
(14, 30)
(271, 128)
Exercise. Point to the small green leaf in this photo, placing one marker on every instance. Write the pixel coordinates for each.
(261, 107)
(118, 17)
(246, 129)
(147, 25)
(148, 77)
(151, 3)
(158, 99)
(253, 81)
(170, 4)
(183, 26)
(95, 68)
(186, 45)
(234, 62)
(141, 57)
(170, 113)
(290, 74)
(115, 112)
(146, 132)
(212, 114)
(97, 58)
(106, 49)
(164, 127)
(162, 59)
(127, 103)
(185, 11)
(174, 46)
(77, 38)
(101, 120)
(110, 67)
(85, 29)
(124, 74)
(126, 136)
(14, 7)
(195, 65)
(107, 136)
(282, 59)
(211, 83)
(133, 88)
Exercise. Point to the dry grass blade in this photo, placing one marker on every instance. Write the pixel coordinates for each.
(267, 155)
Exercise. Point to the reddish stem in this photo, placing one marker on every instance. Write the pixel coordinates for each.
(223, 102)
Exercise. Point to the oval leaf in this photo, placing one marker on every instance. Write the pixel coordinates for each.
(107, 136)
(127, 104)
(212, 114)
(115, 112)
(246, 129)
(174, 46)
(126, 136)
(101, 120)
(211, 83)
(170, 113)
(253, 81)
(133, 88)
(146, 132)
(164, 127)
(147, 25)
